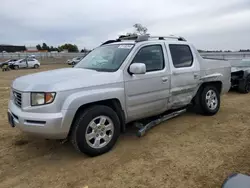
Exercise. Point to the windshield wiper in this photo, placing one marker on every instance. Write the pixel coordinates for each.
(100, 70)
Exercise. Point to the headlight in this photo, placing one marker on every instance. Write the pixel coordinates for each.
(42, 98)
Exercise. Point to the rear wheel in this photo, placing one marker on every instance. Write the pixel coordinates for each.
(209, 100)
(95, 130)
(36, 66)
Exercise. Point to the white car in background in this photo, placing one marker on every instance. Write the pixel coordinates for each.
(74, 61)
(29, 62)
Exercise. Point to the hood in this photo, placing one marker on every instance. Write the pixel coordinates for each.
(65, 79)
(15, 62)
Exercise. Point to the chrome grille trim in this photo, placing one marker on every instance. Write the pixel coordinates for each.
(17, 98)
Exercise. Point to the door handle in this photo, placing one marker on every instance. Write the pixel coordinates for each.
(196, 76)
(164, 79)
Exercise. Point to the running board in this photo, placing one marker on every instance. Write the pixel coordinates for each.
(143, 128)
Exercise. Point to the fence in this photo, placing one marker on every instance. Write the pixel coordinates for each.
(63, 56)
(39, 55)
(227, 55)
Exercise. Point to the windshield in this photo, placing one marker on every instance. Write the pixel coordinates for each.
(106, 58)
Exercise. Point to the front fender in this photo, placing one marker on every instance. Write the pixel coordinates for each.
(76, 100)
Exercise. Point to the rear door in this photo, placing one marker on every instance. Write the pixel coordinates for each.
(147, 94)
(185, 74)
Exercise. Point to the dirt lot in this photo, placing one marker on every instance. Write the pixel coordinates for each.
(188, 151)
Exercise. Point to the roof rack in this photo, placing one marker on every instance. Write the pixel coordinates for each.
(141, 38)
(169, 37)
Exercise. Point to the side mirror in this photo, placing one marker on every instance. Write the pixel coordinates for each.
(137, 68)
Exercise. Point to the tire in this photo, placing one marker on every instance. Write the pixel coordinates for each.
(244, 85)
(82, 127)
(16, 67)
(209, 105)
(36, 66)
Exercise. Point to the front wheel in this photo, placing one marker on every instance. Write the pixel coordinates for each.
(36, 66)
(96, 130)
(210, 100)
(16, 67)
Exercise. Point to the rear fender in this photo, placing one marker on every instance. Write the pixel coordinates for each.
(212, 77)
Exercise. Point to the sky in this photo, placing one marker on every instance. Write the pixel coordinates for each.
(208, 24)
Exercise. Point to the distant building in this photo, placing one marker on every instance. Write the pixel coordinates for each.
(11, 48)
(34, 49)
(31, 49)
(65, 51)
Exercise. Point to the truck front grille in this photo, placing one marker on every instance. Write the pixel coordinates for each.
(17, 97)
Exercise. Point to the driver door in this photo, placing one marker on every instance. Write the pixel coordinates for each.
(22, 64)
(147, 94)
(30, 62)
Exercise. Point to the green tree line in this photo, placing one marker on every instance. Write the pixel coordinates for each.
(69, 47)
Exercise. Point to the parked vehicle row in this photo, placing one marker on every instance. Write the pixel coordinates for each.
(240, 74)
(25, 63)
(29, 62)
(115, 84)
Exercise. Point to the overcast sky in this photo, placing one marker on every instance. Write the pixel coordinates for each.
(208, 24)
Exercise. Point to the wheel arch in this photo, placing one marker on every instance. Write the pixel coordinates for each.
(216, 84)
(113, 103)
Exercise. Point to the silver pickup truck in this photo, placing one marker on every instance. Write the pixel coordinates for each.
(117, 83)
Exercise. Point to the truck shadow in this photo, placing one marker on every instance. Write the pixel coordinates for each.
(33, 147)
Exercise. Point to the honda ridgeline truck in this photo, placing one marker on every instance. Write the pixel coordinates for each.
(118, 82)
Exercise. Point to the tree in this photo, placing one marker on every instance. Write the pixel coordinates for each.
(59, 48)
(45, 47)
(244, 50)
(69, 47)
(85, 50)
(38, 47)
(139, 29)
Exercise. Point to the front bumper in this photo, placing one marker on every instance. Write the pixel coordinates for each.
(46, 125)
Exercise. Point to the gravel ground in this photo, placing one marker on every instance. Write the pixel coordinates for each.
(188, 151)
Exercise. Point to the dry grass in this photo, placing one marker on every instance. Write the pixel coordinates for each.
(188, 151)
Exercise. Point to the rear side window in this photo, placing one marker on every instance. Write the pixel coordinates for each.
(181, 55)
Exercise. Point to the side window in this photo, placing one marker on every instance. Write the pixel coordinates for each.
(152, 56)
(181, 55)
(30, 59)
